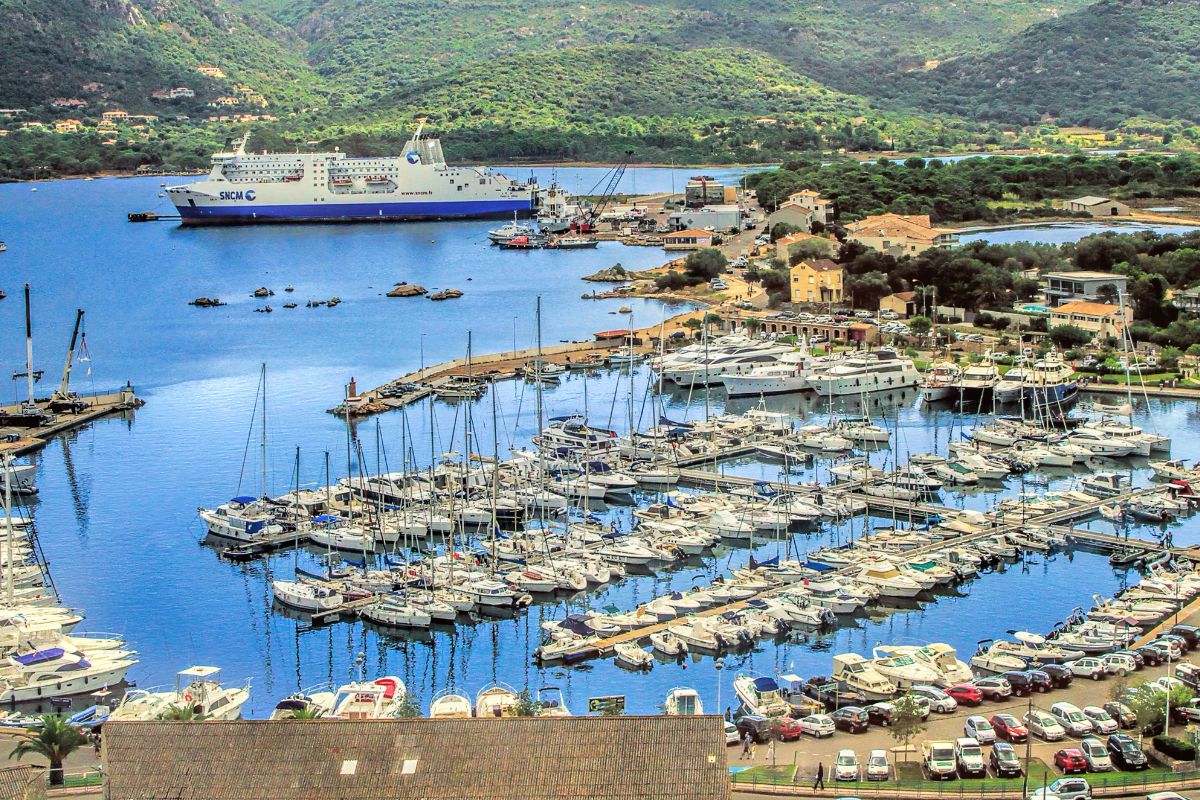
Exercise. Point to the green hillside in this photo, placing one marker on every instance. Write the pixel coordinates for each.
(52, 48)
(1100, 66)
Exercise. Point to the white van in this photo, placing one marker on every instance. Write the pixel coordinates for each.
(1073, 720)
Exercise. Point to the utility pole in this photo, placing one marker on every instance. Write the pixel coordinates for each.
(1028, 749)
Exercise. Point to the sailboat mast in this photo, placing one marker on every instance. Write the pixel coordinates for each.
(29, 352)
(8, 530)
(538, 363)
(264, 431)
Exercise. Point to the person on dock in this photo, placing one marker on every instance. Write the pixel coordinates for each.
(819, 783)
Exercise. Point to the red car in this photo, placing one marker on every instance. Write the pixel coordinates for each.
(966, 694)
(1070, 760)
(1009, 728)
(788, 729)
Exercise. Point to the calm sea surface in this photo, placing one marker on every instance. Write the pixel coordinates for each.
(116, 513)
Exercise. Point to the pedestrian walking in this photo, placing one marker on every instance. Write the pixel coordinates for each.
(745, 746)
(819, 783)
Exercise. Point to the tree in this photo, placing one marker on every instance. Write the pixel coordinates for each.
(1107, 294)
(866, 290)
(781, 229)
(807, 250)
(1068, 336)
(180, 714)
(920, 325)
(1148, 702)
(409, 708)
(908, 721)
(704, 265)
(753, 325)
(526, 706)
(53, 739)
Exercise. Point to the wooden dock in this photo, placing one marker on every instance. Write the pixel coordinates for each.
(17, 441)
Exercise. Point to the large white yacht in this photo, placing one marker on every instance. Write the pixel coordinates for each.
(705, 371)
(874, 371)
(789, 373)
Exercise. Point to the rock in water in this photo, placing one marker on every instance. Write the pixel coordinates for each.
(408, 290)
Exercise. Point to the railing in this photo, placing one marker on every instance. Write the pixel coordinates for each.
(80, 778)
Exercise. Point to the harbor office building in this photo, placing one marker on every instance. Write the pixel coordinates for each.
(1099, 319)
(1065, 287)
(502, 758)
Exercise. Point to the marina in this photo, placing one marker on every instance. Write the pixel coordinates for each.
(191, 436)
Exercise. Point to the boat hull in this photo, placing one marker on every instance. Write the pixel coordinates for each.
(217, 213)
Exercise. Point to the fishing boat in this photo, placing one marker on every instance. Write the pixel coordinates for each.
(683, 701)
(304, 596)
(496, 700)
(760, 695)
(382, 698)
(572, 243)
(446, 704)
(631, 655)
(510, 231)
(200, 690)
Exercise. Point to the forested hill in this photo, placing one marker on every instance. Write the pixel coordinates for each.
(1098, 66)
(122, 50)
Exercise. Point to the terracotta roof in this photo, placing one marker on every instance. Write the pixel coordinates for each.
(22, 782)
(820, 265)
(1088, 309)
(530, 758)
(913, 226)
(690, 233)
(904, 295)
(792, 238)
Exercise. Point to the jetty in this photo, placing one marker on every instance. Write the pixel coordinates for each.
(18, 438)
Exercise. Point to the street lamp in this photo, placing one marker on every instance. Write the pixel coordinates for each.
(719, 665)
(1028, 749)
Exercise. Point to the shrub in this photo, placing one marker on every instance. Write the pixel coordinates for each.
(1175, 748)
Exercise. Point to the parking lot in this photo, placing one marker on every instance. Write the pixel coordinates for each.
(807, 752)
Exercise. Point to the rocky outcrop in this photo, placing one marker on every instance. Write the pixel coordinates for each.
(408, 290)
(206, 302)
(446, 294)
(614, 274)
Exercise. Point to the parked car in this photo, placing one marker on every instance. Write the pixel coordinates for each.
(1004, 760)
(1088, 667)
(1102, 721)
(1071, 788)
(979, 729)
(1122, 713)
(1151, 656)
(732, 734)
(851, 718)
(818, 725)
(1138, 659)
(1125, 753)
(1060, 674)
(1040, 680)
(1118, 664)
(1183, 643)
(1175, 645)
(938, 760)
(845, 767)
(787, 729)
(1189, 633)
(1188, 674)
(1044, 726)
(939, 701)
(994, 688)
(878, 768)
(880, 713)
(1073, 720)
(968, 756)
(965, 694)
(1095, 754)
(1069, 760)
(1009, 728)
(760, 728)
(1020, 682)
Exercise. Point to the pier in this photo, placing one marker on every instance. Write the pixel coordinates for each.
(17, 440)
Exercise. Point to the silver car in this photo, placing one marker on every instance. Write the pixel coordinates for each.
(979, 729)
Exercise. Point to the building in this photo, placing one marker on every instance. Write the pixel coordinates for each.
(900, 235)
(903, 303)
(212, 72)
(703, 190)
(804, 208)
(114, 115)
(506, 758)
(22, 782)
(225, 100)
(688, 239)
(1099, 319)
(717, 217)
(1187, 300)
(817, 280)
(179, 92)
(68, 102)
(844, 333)
(783, 243)
(1063, 287)
(67, 126)
(1098, 207)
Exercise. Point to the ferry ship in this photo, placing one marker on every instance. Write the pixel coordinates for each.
(334, 187)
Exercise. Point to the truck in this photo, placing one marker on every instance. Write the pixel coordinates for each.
(969, 757)
(938, 760)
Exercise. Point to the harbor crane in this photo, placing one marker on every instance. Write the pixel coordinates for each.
(64, 400)
(591, 216)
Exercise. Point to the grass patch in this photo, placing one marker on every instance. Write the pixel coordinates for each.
(910, 775)
(1153, 377)
(781, 775)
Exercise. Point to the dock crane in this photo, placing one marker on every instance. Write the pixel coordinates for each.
(64, 400)
(591, 217)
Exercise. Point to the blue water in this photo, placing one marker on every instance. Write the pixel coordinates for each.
(116, 513)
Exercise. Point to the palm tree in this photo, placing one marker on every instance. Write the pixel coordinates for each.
(180, 714)
(308, 712)
(53, 739)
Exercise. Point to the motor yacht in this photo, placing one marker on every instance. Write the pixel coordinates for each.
(858, 674)
(874, 371)
(940, 382)
(760, 695)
